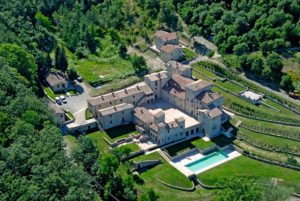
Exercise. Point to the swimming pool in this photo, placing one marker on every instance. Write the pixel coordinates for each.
(206, 161)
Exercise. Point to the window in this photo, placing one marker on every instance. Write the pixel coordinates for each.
(110, 103)
(192, 131)
(121, 100)
(133, 96)
(110, 115)
(155, 83)
(197, 130)
(110, 122)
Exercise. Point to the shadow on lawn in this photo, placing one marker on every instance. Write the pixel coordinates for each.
(121, 130)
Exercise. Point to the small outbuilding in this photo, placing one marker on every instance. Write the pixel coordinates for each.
(56, 81)
(171, 52)
(251, 97)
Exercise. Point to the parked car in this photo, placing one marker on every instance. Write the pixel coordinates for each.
(63, 99)
(58, 101)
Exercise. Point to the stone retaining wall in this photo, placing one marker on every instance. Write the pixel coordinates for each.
(178, 187)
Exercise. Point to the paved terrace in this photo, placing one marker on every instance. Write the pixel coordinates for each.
(171, 112)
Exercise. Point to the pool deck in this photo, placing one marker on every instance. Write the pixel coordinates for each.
(195, 155)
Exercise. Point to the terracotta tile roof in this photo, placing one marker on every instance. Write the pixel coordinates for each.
(199, 84)
(214, 113)
(179, 66)
(165, 36)
(169, 48)
(176, 85)
(208, 96)
(55, 78)
(142, 88)
(55, 108)
(144, 115)
(117, 108)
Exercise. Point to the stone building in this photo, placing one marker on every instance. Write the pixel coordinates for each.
(195, 109)
(171, 53)
(56, 81)
(162, 38)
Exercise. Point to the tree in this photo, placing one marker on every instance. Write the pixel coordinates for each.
(72, 74)
(167, 14)
(274, 62)
(286, 83)
(138, 63)
(61, 61)
(240, 49)
(237, 189)
(20, 59)
(150, 195)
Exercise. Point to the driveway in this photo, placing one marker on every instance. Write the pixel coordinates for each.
(77, 104)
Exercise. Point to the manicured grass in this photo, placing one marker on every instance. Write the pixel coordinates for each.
(187, 145)
(132, 146)
(189, 54)
(246, 167)
(167, 173)
(88, 114)
(119, 132)
(97, 138)
(70, 115)
(49, 93)
(164, 171)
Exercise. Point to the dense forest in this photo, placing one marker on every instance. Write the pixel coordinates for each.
(33, 163)
(255, 31)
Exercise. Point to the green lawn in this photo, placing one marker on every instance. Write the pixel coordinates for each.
(187, 145)
(246, 167)
(132, 146)
(119, 132)
(49, 93)
(97, 138)
(70, 115)
(189, 54)
(167, 173)
(88, 114)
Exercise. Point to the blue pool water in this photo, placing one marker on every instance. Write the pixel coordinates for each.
(206, 161)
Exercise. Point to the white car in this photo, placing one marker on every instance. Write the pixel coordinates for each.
(63, 99)
(57, 100)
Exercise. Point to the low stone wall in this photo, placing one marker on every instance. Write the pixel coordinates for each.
(195, 179)
(132, 155)
(270, 134)
(183, 154)
(145, 164)
(78, 129)
(178, 187)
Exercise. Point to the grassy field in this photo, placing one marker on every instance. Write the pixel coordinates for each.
(71, 142)
(132, 146)
(246, 167)
(103, 70)
(187, 145)
(230, 86)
